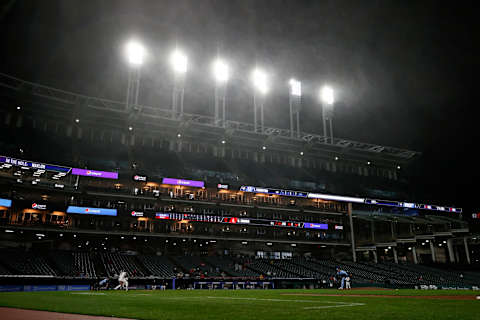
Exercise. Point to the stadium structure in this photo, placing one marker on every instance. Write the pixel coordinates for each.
(90, 187)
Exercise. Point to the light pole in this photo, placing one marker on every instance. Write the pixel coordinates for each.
(327, 98)
(259, 79)
(135, 57)
(179, 62)
(221, 73)
(295, 105)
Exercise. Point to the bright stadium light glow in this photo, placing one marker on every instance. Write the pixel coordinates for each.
(179, 61)
(326, 94)
(135, 53)
(295, 87)
(259, 79)
(221, 71)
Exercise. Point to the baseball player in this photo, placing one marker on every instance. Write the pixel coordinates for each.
(348, 285)
(122, 281)
(342, 274)
(103, 283)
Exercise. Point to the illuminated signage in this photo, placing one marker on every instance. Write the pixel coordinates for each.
(39, 206)
(137, 214)
(311, 195)
(322, 226)
(222, 186)
(60, 186)
(476, 215)
(338, 227)
(5, 203)
(234, 220)
(95, 211)
(34, 165)
(139, 178)
(181, 182)
(335, 198)
(279, 192)
(95, 173)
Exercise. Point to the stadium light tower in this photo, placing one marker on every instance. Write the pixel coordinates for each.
(259, 79)
(295, 105)
(221, 72)
(328, 99)
(135, 53)
(179, 63)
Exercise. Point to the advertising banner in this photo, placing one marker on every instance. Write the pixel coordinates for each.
(95, 211)
(181, 182)
(94, 173)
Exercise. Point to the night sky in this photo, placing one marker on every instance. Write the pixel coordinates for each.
(402, 70)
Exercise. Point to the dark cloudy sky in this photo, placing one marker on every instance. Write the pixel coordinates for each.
(402, 70)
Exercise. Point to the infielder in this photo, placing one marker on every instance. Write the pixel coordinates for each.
(342, 274)
(122, 281)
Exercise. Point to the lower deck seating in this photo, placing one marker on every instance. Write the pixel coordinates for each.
(93, 264)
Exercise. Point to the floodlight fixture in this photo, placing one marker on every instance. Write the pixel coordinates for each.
(135, 53)
(221, 71)
(179, 61)
(259, 79)
(327, 95)
(295, 87)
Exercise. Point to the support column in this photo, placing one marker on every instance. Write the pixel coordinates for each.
(372, 228)
(432, 250)
(352, 233)
(375, 257)
(451, 253)
(467, 253)
(414, 254)
(395, 256)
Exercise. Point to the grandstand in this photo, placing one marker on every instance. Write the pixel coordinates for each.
(181, 199)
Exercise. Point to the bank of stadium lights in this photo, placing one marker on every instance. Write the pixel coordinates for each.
(295, 87)
(221, 71)
(259, 80)
(326, 95)
(135, 53)
(179, 61)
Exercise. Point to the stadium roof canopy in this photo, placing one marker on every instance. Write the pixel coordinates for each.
(149, 118)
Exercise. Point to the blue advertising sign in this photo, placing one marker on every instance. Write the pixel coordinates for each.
(322, 226)
(95, 211)
(5, 203)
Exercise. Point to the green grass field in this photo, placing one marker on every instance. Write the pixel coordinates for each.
(249, 304)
